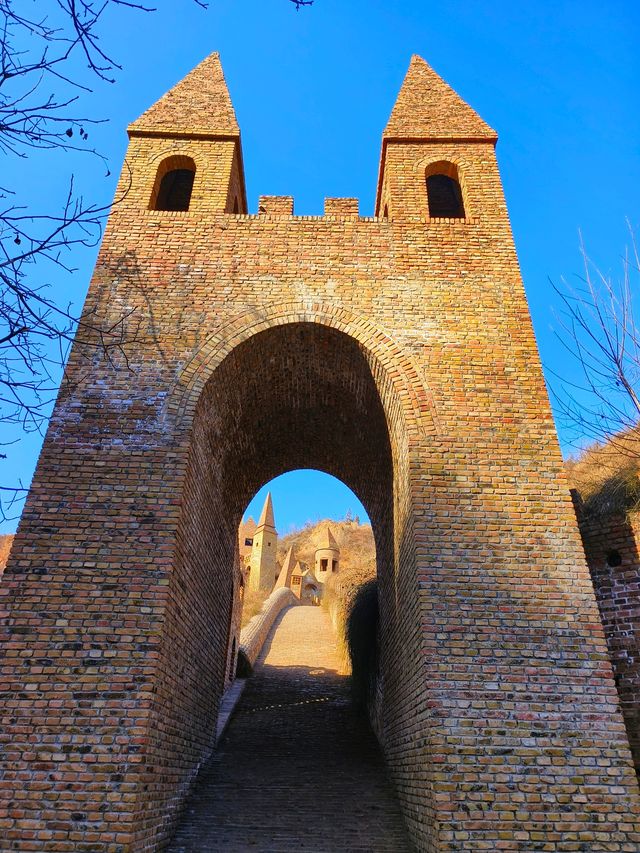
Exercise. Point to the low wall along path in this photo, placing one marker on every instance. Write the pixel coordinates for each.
(298, 769)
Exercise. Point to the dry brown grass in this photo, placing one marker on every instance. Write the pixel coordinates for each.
(6, 540)
(607, 476)
(252, 604)
(354, 540)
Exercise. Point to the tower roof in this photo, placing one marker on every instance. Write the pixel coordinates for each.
(245, 531)
(266, 516)
(326, 541)
(428, 108)
(284, 578)
(199, 105)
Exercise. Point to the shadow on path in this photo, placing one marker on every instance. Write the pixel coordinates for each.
(298, 768)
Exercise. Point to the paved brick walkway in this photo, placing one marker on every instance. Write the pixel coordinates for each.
(297, 768)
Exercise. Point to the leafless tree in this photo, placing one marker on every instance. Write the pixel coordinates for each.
(45, 48)
(598, 331)
(51, 54)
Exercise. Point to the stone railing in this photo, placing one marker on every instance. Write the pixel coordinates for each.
(254, 634)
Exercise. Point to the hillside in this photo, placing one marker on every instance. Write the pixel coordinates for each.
(357, 548)
(6, 540)
(607, 476)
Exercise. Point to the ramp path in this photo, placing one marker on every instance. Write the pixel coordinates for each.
(298, 769)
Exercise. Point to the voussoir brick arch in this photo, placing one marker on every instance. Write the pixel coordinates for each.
(400, 381)
(180, 155)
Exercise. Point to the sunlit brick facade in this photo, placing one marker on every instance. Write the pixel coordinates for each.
(408, 333)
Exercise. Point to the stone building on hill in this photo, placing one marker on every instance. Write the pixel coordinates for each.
(298, 577)
(245, 538)
(327, 555)
(258, 544)
(304, 584)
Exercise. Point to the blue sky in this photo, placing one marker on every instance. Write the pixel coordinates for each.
(313, 89)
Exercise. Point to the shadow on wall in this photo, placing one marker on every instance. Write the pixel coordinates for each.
(362, 633)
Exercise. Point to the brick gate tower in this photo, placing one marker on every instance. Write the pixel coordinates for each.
(407, 332)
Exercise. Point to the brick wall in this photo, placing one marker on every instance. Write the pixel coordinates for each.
(611, 547)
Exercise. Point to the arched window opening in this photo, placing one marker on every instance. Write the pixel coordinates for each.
(385, 214)
(444, 194)
(174, 184)
(175, 190)
(445, 198)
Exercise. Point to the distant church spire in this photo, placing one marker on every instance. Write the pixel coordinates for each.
(284, 578)
(263, 574)
(266, 516)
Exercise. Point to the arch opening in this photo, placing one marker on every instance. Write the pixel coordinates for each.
(296, 395)
(308, 526)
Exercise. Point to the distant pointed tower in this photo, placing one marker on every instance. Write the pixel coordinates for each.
(284, 578)
(263, 552)
(327, 555)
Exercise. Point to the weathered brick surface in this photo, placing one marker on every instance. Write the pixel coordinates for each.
(611, 547)
(341, 207)
(298, 769)
(396, 353)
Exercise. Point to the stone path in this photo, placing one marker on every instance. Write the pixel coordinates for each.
(297, 769)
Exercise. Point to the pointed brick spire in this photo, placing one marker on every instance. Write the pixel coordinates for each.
(284, 578)
(327, 541)
(427, 108)
(266, 516)
(199, 105)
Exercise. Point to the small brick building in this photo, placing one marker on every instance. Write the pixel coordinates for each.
(409, 332)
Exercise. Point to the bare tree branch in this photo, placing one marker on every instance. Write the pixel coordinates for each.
(51, 56)
(597, 331)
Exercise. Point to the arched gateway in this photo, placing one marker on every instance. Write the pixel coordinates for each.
(395, 352)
